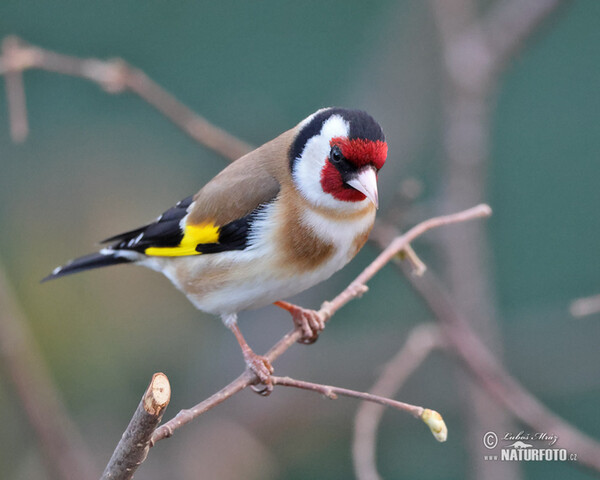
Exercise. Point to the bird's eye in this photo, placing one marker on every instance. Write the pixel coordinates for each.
(336, 154)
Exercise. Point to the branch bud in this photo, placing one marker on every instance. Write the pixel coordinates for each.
(436, 424)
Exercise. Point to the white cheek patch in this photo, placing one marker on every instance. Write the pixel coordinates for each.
(307, 171)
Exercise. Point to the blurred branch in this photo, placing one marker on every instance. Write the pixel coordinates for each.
(421, 341)
(440, 432)
(460, 338)
(476, 50)
(509, 26)
(114, 76)
(133, 448)
(491, 375)
(354, 289)
(15, 91)
(60, 442)
(585, 306)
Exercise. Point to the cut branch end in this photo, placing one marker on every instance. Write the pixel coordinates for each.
(158, 395)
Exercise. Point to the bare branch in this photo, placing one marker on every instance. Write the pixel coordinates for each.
(438, 428)
(115, 76)
(333, 392)
(355, 289)
(421, 341)
(135, 442)
(61, 444)
(397, 245)
(187, 415)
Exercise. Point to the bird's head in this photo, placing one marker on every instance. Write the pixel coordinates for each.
(335, 158)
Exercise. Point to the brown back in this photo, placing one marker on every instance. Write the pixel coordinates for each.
(250, 181)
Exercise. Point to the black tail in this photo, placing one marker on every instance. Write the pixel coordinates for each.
(94, 260)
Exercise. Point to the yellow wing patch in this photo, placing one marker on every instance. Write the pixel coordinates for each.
(192, 236)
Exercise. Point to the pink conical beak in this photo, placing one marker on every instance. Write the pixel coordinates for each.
(366, 183)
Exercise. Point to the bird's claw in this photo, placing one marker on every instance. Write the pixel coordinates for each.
(263, 389)
(310, 323)
(262, 368)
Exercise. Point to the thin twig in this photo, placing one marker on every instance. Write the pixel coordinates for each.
(398, 244)
(116, 76)
(61, 444)
(332, 393)
(355, 289)
(421, 341)
(431, 418)
(133, 447)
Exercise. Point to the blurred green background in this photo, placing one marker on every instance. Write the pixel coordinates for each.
(97, 164)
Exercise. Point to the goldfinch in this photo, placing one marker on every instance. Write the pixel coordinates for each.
(275, 222)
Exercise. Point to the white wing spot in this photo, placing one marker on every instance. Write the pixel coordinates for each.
(135, 241)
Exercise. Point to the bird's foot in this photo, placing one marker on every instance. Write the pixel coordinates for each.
(309, 322)
(262, 368)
